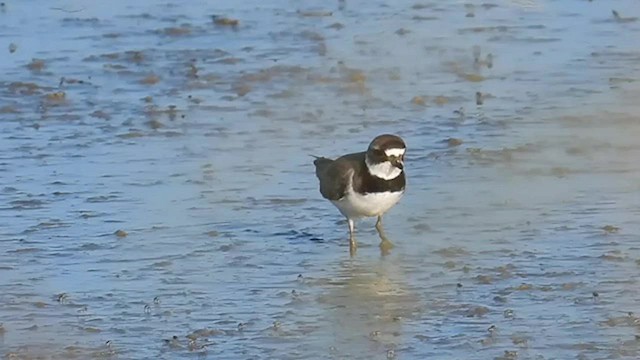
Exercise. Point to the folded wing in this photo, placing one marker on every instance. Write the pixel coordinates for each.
(334, 177)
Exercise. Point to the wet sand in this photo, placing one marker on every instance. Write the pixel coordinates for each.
(158, 199)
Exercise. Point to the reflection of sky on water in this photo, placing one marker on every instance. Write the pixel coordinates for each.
(221, 205)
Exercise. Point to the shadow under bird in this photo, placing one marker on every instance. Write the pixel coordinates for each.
(365, 184)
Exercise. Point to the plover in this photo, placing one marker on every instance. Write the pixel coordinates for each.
(365, 184)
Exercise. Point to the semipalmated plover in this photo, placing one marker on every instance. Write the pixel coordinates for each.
(365, 184)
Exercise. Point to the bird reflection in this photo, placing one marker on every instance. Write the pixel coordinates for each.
(366, 306)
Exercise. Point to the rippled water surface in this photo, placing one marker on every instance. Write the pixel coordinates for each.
(158, 200)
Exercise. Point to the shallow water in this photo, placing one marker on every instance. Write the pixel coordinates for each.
(193, 139)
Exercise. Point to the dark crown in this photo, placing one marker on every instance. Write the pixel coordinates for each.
(387, 141)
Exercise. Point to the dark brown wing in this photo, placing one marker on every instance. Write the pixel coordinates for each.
(334, 175)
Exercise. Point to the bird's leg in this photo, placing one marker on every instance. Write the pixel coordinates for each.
(380, 229)
(385, 243)
(352, 240)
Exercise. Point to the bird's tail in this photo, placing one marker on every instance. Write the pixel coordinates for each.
(321, 163)
(320, 160)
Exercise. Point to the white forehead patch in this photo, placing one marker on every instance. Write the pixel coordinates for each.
(395, 152)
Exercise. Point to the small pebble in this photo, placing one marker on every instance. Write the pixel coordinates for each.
(58, 96)
(453, 142)
(419, 100)
(173, 342)
(615, 14)
(500, 299)
(459, 112)
(224, 21)
(477, 51)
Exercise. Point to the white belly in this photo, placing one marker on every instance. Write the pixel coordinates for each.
(354, 205)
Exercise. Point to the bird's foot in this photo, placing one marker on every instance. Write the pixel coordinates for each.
(385, 246)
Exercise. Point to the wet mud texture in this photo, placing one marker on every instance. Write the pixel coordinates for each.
(157, 197)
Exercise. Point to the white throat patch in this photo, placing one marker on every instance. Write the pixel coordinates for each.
(383, 170)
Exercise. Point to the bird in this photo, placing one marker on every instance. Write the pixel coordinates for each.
(365, 184)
